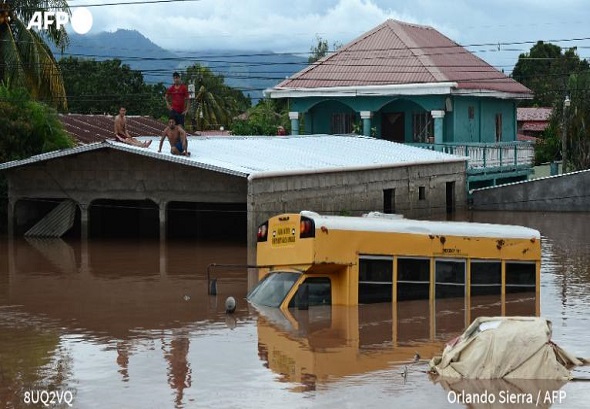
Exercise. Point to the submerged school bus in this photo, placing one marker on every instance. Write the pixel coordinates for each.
(308, 259)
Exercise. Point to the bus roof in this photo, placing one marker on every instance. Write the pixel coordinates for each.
(380, 222)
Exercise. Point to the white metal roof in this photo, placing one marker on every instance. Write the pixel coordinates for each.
(379, 222)
(265, 156)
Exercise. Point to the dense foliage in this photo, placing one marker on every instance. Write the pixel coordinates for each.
(215, 104)
(102, 87)
(554, 74)
(263, 119)
(25, 59)
(546, 69)
(27, 127)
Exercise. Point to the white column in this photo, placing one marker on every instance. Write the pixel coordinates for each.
(366, 117)
(438, 116)
(294, 117)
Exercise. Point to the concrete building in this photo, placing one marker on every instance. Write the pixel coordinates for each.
(227, 187)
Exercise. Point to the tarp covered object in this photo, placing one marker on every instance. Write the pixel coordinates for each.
(505, 347)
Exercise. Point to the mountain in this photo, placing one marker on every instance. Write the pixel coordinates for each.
(249, 71)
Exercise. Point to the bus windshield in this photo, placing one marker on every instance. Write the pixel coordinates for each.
(271, 291)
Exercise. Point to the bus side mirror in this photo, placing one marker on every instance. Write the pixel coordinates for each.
(302, 297)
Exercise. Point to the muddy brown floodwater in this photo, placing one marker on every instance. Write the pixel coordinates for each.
(129, 324)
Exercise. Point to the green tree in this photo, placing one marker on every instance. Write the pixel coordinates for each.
(263, 119)
(572, 122)
(25, 59)
(321, 49)
(98, 87)
(577, 122)
(545, 69)
(215, 104)
(27, 127)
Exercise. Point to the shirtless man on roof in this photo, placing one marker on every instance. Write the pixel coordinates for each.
(177, 138)
(121, 133)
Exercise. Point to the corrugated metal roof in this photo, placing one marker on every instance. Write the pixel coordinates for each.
(97, 128)
(400, 53)
(533, 114)
(535, 126)
(265, 156)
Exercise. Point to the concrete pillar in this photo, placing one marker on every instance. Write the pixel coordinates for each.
(366, 117)
(163, 219)
(252, 223)
(84, 210)
(294, 117)
(11, 207)
(438, 116)
(163, 227)
(84, 252)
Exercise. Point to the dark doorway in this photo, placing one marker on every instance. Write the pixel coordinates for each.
(389, 201)
(216, 221)
(393, 126)
(450, 197)
(123, 218)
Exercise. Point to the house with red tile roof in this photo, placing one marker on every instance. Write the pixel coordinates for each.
(407, 83)
(532, 122)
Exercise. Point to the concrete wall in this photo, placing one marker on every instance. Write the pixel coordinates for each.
(562, 193)
(355, 192)
(115, 175)
(112, 174)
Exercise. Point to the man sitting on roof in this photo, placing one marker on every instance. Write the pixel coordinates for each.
(121, 133)
(177, 138)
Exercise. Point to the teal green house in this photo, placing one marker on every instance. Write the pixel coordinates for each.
(410, 84)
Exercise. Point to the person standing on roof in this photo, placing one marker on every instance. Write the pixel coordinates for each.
(177, 138)
(121, 133)
(177, 99)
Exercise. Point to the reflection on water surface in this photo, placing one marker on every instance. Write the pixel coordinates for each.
(130, 324)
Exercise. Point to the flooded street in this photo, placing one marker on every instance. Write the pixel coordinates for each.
(130, 324)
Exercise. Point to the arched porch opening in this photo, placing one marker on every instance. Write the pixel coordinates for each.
(331, 117)
(404, 121)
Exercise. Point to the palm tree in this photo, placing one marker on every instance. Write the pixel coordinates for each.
(214, 104)
(25, 59)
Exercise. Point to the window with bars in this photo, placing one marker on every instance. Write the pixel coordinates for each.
(422, 127)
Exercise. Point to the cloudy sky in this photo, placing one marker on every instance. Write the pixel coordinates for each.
(512, 26)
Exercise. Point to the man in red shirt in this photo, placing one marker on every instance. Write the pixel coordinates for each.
(177, 100)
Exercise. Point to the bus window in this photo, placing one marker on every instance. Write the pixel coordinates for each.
(520, 277)
(272, 290)
(413, 279)
(486, 288)
(521, 285)
(450, 278)
(450, 297)
(486, 278)
(375, 279)
(319, 292)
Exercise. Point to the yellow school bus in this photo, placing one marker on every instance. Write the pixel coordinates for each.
(309, 259)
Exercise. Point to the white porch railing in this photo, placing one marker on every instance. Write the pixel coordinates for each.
(487, 156)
